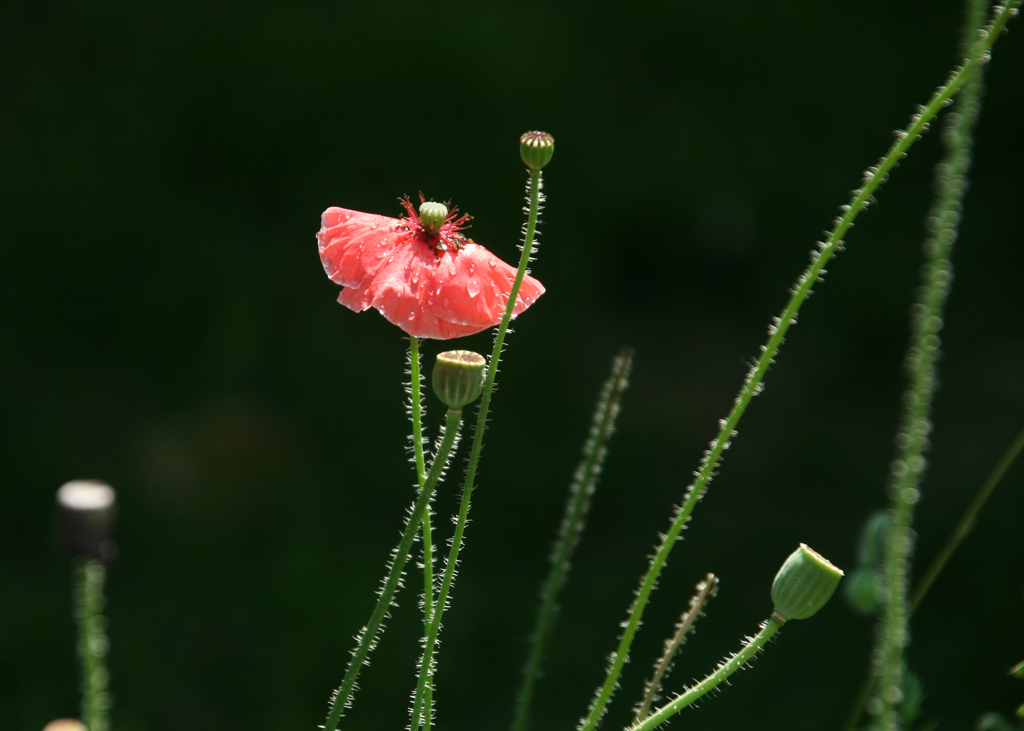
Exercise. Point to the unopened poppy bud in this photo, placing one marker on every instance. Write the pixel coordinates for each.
(86, 519)
(458, 377)
(433, 215)
(804, 584)
(536, 149)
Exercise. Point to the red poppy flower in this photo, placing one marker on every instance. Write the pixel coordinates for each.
(419, 271)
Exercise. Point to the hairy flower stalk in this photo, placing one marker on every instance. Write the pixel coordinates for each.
(416, 414)
(367, 638)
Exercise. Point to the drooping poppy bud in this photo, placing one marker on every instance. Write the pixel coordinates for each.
(86, 519)
(536, 149)
(458, 377)
(804, 584)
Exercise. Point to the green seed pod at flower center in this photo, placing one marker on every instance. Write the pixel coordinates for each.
(458, 377)
(536, 148)
(433, 215)
(804, 584)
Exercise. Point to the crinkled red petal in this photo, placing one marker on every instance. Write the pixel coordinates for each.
(353, 244)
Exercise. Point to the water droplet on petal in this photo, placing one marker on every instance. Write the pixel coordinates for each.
(445, 301)
(493, 263)
(391, 258)
(374, 226)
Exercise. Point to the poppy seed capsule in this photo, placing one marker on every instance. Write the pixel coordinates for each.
(804, 584)
(458, 377)
(536, 149)
(433, 215)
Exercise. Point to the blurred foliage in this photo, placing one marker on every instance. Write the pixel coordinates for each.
(167, 327)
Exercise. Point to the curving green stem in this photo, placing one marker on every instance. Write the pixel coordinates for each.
(419, 718)
(873, 178)
(367, 638)
(725, 669)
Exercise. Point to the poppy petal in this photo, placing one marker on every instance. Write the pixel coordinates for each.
(474, 284)
(354, 244)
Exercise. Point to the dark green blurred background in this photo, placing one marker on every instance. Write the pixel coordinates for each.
(166, 326)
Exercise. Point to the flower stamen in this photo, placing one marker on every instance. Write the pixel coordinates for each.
(439, 225)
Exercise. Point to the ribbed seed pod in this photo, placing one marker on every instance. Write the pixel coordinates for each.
(804, 584)
(458, 377)
(433, 215)
(536, 149)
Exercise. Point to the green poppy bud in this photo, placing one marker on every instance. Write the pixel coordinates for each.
(433, 215)
(86, 519)
(536, 149)
(458, 377)
(804, 584)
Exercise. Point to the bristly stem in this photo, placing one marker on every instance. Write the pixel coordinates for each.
(90, 577)
(580, 492)
(416, 414)
(430, 641)
(862, 196)
(920, 363)
(725, 669)
(705, 590)
(366, 640)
